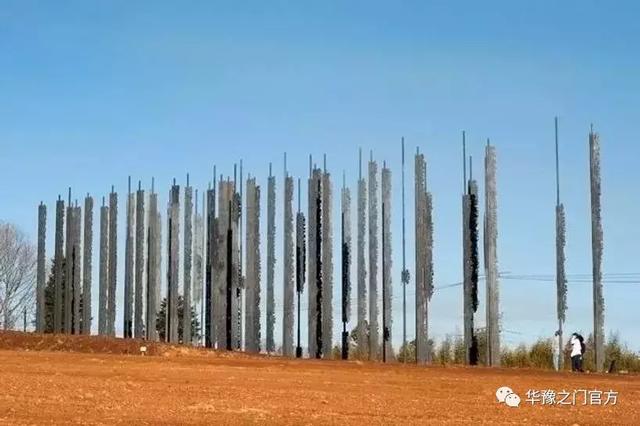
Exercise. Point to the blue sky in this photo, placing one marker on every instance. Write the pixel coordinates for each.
(91, 92)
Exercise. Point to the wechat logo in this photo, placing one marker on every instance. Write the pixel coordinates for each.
(508, 397)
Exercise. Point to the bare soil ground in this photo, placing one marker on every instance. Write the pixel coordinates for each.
(56, 379)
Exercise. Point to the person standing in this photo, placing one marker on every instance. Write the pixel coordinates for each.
(576, 352)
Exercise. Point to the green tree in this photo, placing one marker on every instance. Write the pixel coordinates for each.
(161, 320)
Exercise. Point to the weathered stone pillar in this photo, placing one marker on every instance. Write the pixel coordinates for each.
(129, 256)
(224, 273)
(87, 265)
(327, 264)
(301, 260)
(188, 259)
(41, 274)
(252, 297)
(77, 268)
(103, 274)
(288, 271)
(597, 249)
(139, 296)
(362, 336)
(271, 260)
(490, 258)
(373, 260)
(113, 262)
(153, 266)
(385, 181)
(211, 285)
(58, 305)
(470, 233)
(314, 310)
(198, 263)
(346, 268)
(68, 275)
(424, 259)
(173, 262)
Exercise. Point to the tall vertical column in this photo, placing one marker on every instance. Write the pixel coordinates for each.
(129, 256)
(561, 280)
(597, 249)
(470, 232)
(77, 268)
(58, 305)
(327, 263)
(210, 268)
(198, 263)
(385, 182)
(223, 270)
(68, 275)
(87, 265)
(41, 274)
(153, 266)
(140, 265)
(113, 262)
(236, 265)
(346, 267)
(188, 259)
(288, 272)
(252, 297)
(424, 271)
(173, 262)
(362, 339)
(373, 260)
(314, 200)
(271, 260)
(103, 273)
(490, 258)
(318, 346)
(301, 260)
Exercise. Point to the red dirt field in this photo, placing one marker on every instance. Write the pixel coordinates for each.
(56, 379)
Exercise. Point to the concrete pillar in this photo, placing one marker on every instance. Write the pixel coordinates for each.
(188, 262)
(236, 270)
(373, 261)
(58, 305)
(385, 183)
(288, 271)
(211, 268)
(77, 268)
(362, 338)
(561, 279)
(346, 268)
(491, 260)
(139, 284)
(103, 274)
(173, 264)
(224, 313)
(41, 273)
(87, 265)
(113, 262)
(597, 249)
(301, 260)
(421, 271)
(470, 285)
(68, 275)
(271, 260)
(153, 266)
(314, 259)
(327, 265)
(129, 256)
(252, 297)
(198, 263)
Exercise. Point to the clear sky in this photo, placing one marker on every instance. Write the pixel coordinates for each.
(91, 92)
